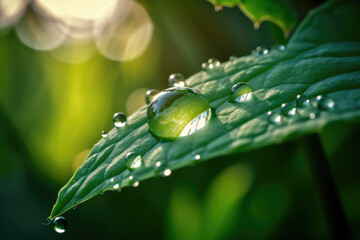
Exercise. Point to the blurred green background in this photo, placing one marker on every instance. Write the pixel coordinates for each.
(64, 73)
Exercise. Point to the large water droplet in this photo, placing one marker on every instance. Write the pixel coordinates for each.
(150, 94)
(325, 103)
(241, 92)
(60, 224)
(177, 112)
(211, 64)
(288, 110)
(260, 50)
(176, 80)
(133, 160)
(274, 118)
(103, 134)
(119, 119)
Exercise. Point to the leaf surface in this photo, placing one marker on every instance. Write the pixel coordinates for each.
(321, 58)
(276, 11)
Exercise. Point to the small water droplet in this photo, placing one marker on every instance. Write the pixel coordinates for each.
(150, 94)
(103, 134)
(325, 103)
(60, 224)
(112, 180)
(233, 59)
(158, 164)
(197, 157)
(288, 110)
(302, 101)
(135, 184)
(176, 80)
(119, 119)
(47, 221)
(260, 50)
(177, 112)
(274, 118)
(116, 186)
(166, 172)
(133, 160)
(131, 178)
(241, 92)
(279, 47)
(211, 64)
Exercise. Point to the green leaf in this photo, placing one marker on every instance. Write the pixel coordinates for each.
(322, 58)
(276, 11)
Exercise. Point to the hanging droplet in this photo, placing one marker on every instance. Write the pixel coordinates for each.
(325, 103)
(177, 112)
(176, 80)
(288, 110)
(241, 92)
(133, 160)
(274, 118)
(103, 134)
(166, 172)
(135, 184)
(233, 59)
(260, 50)
(150, 94)
(119, 119)
(60, 224)
(302, 101)
(211, 64)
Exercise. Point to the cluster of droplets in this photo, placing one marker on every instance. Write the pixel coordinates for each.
(59, 224)
(261, 50)
(211, 64)
(303, 108)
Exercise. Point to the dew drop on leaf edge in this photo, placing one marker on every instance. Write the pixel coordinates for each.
(176, 80)
(211, 64)
(119, 119)
(60, 224)
(103, 134)
(177, 112)
(150, 94)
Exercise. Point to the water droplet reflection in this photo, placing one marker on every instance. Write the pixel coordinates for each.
(133, 160)
(119, 119)
(176, 80)
(60, 224)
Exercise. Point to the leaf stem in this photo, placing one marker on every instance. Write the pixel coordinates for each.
(329, 197)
